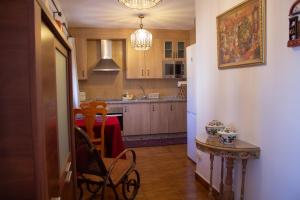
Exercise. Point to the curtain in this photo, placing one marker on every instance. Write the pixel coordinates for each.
(76, 101)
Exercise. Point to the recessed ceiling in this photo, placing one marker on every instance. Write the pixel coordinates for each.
(170, 14)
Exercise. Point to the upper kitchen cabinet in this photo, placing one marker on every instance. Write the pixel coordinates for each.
(135, 62)
(144, 64)
(153, 60)
(81, 58)
(174, 49)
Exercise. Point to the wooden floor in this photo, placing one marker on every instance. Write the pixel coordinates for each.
(166, 174)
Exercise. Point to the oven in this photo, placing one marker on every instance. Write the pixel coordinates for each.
(116, 112)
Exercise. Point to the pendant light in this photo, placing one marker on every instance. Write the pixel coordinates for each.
(141, 39)
(140, 4)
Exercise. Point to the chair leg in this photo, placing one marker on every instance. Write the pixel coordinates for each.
(128, 183)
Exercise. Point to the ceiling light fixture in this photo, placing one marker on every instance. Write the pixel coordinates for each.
(141, 39)
(140, 4)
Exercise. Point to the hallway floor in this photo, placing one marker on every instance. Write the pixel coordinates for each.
(166, 174)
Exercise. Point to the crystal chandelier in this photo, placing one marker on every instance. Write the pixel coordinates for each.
(141, 39)
(140, 4)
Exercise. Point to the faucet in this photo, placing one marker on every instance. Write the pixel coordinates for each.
(144, 93)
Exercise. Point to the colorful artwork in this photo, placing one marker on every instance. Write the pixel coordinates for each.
(241, 35)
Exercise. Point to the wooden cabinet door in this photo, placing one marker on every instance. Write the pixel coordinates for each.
(135, 65)
(168, 50)
(153, 60)
(177, 117)
(159, 118)
(81, 58)
(180, 46)
(136, 119)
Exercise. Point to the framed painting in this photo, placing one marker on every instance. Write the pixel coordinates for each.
(241, 35)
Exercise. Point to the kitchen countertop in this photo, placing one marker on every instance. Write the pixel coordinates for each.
(160, 100)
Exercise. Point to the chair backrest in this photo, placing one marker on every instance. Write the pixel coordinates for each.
(89, 113)
(88, 159)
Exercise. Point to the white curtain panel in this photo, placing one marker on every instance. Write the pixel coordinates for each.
(76, 101)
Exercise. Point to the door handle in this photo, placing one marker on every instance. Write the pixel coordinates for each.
(68, 177)
(68, 166)
(55, 198)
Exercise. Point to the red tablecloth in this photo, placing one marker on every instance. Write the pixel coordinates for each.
(113, 140)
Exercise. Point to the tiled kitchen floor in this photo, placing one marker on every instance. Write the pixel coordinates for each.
(166, 174)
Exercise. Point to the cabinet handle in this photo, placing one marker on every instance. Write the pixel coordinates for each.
(171, 107)
(148, 72)
(82, 73)
(125, 108)
(142, 72)
(153, 109)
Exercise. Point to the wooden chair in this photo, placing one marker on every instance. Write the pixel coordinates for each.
(95, 104)
(98, 173)
(89, 112)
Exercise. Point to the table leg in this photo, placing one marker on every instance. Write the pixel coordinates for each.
(210, 194)
(222, 179)
(244, 165)
(228, 193)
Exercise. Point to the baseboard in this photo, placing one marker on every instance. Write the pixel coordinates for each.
(203, 182)
(192, 162)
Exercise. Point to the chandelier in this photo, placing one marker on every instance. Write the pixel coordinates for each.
(141, 39)
(140, 4)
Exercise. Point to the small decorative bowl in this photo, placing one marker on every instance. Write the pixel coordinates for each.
(213, 127)
(227, 136)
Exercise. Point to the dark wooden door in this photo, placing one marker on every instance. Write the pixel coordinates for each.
(56, 104)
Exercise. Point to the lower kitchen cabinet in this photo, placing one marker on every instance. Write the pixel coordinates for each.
(159, 118)
(177, 119)
(154, 118)
(136, 119)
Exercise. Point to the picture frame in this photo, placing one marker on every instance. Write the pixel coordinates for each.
(241, 35)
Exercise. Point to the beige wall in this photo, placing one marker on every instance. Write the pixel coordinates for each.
(112, 85)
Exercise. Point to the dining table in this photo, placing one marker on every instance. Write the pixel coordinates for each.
(113, 139)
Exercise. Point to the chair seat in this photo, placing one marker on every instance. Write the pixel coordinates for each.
(121, 168)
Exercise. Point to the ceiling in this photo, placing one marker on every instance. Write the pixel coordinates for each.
(170, 14)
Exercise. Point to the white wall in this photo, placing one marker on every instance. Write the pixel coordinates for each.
(263, 102)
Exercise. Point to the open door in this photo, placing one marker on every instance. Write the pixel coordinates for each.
(57, 103)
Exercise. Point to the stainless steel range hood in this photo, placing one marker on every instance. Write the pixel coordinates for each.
(106, 63)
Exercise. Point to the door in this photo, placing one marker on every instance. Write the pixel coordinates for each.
(180, 50)
(136, 118)
(177, 117)
(81, 58)
(159, 117)
(56, 104)
(191, 136)
(135, 65)
(168, 50)
(153, 60)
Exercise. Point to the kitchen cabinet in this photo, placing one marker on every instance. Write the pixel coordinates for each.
(158, 118)
(81, 58)
(174, 50)
(177, 120)
(136, 119)
(144, 64)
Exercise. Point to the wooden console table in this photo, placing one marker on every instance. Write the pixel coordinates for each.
(239, 150)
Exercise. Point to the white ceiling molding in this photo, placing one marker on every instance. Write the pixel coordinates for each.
(170, 14)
